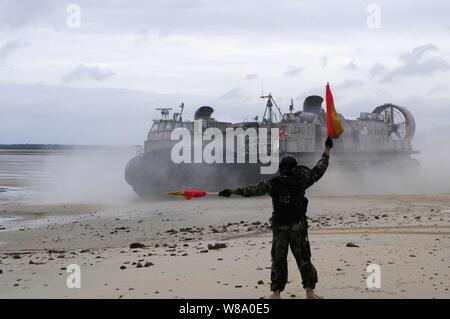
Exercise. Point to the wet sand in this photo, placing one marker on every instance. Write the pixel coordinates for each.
(408, 236)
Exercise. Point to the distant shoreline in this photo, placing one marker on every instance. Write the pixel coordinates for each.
(61, 147)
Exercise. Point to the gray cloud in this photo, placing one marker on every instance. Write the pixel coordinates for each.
(414, 63)
(438, 89)
(252, 76)
(36, 113)
(349, 84)
(351, 66)
(417, 53)
(83, 72)
(18, 13)
(293, 71)
(233, 94)
(208, 45)
(377, 69)
(8, 48)
(222, 17)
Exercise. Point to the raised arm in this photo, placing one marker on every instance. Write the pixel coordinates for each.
(310, 176)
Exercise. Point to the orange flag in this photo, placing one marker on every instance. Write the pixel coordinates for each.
(334, 126)
(189, 194)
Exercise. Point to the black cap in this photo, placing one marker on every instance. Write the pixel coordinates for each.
(287, 163)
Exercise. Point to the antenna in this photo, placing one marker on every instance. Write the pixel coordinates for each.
(262, 87)
(291, 106)
(177, 115)
(181, 113)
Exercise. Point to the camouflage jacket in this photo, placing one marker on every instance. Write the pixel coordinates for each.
(306, 176)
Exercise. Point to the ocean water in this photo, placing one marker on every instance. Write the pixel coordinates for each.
(54, 176)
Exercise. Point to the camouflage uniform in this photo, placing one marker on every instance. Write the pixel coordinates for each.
(294, 235)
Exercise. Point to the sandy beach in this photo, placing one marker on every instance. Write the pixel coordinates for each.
(220, 248)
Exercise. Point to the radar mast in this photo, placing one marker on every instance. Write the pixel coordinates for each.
(164, 111)
(271, 117)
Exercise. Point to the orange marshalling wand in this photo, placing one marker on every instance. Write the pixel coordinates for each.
(334, 126)
(190, 194)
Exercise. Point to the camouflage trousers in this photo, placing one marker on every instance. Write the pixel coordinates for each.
(296, 238)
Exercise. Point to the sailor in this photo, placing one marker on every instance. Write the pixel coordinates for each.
(289, 224)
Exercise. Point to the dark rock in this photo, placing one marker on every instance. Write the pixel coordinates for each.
(139, 265)
(204, 251)
(260, 282)
(217, 246)
(137, 245)
(351, 245)
(148, 264)
(123, 267)
(1, 271)
(53, 251)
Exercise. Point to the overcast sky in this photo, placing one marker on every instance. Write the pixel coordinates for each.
(100, 83)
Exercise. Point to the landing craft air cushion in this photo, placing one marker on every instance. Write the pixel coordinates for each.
(379, 138)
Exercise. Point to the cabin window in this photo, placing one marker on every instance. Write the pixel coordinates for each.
(169, 126)
(163, 126)
(154, 127)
